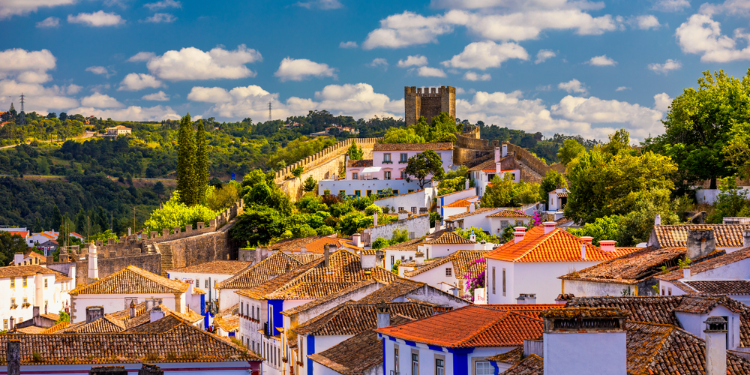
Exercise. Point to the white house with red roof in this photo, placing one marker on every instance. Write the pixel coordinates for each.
(42, 237)
(532, 263)
(446, 199)
(503, 163)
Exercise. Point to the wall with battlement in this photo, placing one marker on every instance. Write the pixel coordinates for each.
(528, 158)
(428, 102)
(323, 165)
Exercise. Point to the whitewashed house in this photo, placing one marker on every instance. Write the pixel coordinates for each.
(557, 199)
(503, 219)
(502, 163)
(469, 193)
(476, 217)
(206, 276)
(415, 202)
(451, 272)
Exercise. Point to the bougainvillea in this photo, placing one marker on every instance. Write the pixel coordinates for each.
(474, 277)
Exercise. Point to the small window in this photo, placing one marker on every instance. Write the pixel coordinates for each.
(403, 174)
(493, 280)
(410, 190)
(440, 367)
(490, 177)
(380, 192)
(395, 359)
(414, 210)
(504, 223)
(5, 324)
(25, 282)
(393, 260)
(342, 192)
(357, 193)
(414, 364)
(386, 157)
(484, 368)
(208, 285)
(12, 303)
(503, 282)
(368, 192)
(12, 282)
(355, 176)
(404, 158)
(669, 291)
(395, 191)
(197, 283)
(242, 308)
(448, 271)
(387, 175)
(25, 301)
(45, 283)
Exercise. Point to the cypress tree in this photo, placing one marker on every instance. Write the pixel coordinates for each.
(186, 179)
(201, 161)
(56, 219)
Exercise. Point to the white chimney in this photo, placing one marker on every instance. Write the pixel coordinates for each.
(518, 235)
(583, 251)
(357, 239)
(657, 219)
(549, 226)
(368, 260)
(686, 273)
(587, 239)
(156, 314)
(384, 315)
(93, 263)
(128, 231)
(499, 170)
(468, 184)
(716, 345)
(472, 207)
(505, 150)
(607, 245)
(526, 299)
(375, 219)
(419, 258)
(497, 154)
(18, 259)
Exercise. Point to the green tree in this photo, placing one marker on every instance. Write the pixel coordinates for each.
(258, 226)
(9, 245)
(619, 140)
(56, 219)
(37, 225)
(402, 135)
(731, 201)
(354, 152)
(552, 180)
(297, 172)
(310, 184)
(201, 162)
(500, 193)
(570, 150)
(175, 213)
(186, 174)
(424, 164)
(603, 228)
(637, 225)
(699, 127)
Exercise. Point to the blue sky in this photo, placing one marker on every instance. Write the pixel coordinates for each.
(555, 66)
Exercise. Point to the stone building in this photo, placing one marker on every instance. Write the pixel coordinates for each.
(428, 102)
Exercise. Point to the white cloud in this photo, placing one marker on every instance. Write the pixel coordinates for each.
(671, 5)
(666, 67)
(163, 5)
(21, 7)
(571, 86)
(161, 18)
(426, 71)
(73, 89)
(139, 81)
(33, 77)
(376, 62)
(416, 60)
(300, 69)
(101, 71)
(471, 76)
(662, 102)
(483, 55)
(97, 19)
(38, 98)
(602, 60)
(48, 22)
(132, 113)
(640, 120)
(15, 61)
(157, 96)
(100, 101)
(211, 94)
(622, 88)
(702, 35)
(543, 55)
(646, 22)
(321, 4)
(349, 44)
(142, 56)
(515, 4)
(405, 29)
(193, 64)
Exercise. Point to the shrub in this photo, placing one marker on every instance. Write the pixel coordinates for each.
(372, 209)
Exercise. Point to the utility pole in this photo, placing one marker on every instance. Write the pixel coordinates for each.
(23, 114)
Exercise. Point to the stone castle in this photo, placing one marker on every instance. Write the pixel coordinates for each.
(428, 102)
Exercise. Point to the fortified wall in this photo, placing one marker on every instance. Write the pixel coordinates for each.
(323, 165)
(428, 102)
(157, 253)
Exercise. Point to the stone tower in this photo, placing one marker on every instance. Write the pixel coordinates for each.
(428, 102)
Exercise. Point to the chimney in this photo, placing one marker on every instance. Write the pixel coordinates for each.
(686, 273)
(657, 219)
(607, 245)
(587, 239)
(13, 356)
(583, 251)
(716, 345)
(700, 242)
(549, 226)
(499, 170)
(526, 299)
(472, 207)
(368, 259)
(150, 302)
(94, 313)
(419, 258)
(357, 239)
(132, 309)
(326, 254)
(519, 234)
(156, 314)
(468, 184)
(497, 154)
(303, 249)
(93, 263)
(384, 315)
(35, 312)
(18, 259)
(746, 239)
(505, 150)
(375, 219)
(258, 254)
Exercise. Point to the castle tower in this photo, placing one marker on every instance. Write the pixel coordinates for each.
(428, 102)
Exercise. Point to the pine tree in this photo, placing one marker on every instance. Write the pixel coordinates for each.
(186, 179)
(37, 225)
(56, 218)
(201, 161)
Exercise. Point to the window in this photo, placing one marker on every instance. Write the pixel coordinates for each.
(410, 191)
(395, 191)
(387, 175)
(448, 271)
(490, 177)
(355, 176)
(395, 359)
(5, 324)
(301, 346)
(504, 223)
(12, 282)
(483, 368)
(414, 210)
(403, 159)
(342, 192)
(25, 281)
(493, 280)
(368, 192)
(403, 174)
(242, 308)
(215, 281)
(12, 303)
(25, 301)
(393, 260)
(208, 285)
(403, 258)
(662, 292)
(414, 363)
(386, 158)
(440, 366)
(400, 209)
(379, 192)
(669, 291)
(503, 282)
(258, 313)
(45, 283)
(357, 193)
(197, 283)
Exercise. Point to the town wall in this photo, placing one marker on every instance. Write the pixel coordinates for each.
(419, 225)
(533, 162)
(323, 165)
(428, 102)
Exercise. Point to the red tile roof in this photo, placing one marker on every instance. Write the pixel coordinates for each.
(509, 213)
(469, 326)
(462, 202)
(727, 235)
(224, 267)
(23, 234)
(709, 264)
(556, 246)
(450, 238)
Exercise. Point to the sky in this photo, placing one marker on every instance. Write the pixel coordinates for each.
(553, 66)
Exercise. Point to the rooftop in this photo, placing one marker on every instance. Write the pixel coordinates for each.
(709, 264)
(439, 146)
(510, 213)
(410, 245)
(481, 210)
(466, 202)
(132, 280)
(31, 270)
(458, 191)
(630, 268)
(225, 267)
(462, 261)
(359, 163)
(352, 318)
(450, 238)
(727, 235)
(728, 287)
(555, 246)
(530, 365)
(392, 291)
(276, 264)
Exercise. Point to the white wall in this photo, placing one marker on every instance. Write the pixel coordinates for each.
(479, 220)
(323, 343)
(496, 224)
(419, 225)
(522, 277)
(444, 200)
(693, 323)
(35, 294)
(114, 302)
(350, 186)
(202, 277)
(398, 255)
(581, 288)
(739, 270)
(416, 199)
(428, 356)
(436, 276)
(585, 353)
(709, 196)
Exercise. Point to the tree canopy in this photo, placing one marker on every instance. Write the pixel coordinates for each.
(423, 165)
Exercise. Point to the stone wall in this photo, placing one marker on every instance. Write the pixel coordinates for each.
(323, 165)
(428, 102)
(534, 163)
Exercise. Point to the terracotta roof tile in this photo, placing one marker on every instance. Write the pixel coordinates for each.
(510, 213)
(57, 327)
(728, 287)
(531, 365)
(276, 264)
(165, 324)
(466, 202)
(410, 245)
(128, 347)
(396, 289)
(727, 235)
(438, 146)
(225, 267)
(450, 238)
(631, 268)
(291, 244)
(51, 316)
(481, 210)
(129, 280)
(556, 246)
(353, 317)
(320, 301)
(359, 163)
(709, 264)
(461, 261)
(511, 357)
(32, 330)
(20, 271)
(469, 326)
